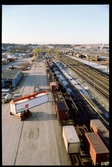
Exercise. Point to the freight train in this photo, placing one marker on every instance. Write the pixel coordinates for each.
(98, 127)
(99, 157)
(68, 79)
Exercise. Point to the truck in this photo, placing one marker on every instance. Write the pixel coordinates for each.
(6, 95)
(20, 106)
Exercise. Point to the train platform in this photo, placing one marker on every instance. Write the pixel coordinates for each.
(38, 139)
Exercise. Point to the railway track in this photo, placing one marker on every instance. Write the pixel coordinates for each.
(80, 112)
(83, 158)
(97, 109)
(99, 82)
(76, 119)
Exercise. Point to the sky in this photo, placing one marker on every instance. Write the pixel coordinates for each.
(55, 24)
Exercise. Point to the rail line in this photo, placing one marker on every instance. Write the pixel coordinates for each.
(96, 109)
(80, 113)
(100, 83)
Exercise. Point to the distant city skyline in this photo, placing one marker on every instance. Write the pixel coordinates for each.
(55, 24)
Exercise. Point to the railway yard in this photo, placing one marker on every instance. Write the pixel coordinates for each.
(40, 139)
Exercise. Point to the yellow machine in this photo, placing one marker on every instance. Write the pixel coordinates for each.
(54, 51)
(36, 52)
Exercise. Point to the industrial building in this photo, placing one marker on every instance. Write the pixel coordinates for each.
(11, 77)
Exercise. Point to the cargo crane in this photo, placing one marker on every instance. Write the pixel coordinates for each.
(20, 106)
(37, 51)
(54, 51)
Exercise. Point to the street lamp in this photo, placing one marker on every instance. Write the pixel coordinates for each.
(94, 89)
(88, 59)
(82, 71)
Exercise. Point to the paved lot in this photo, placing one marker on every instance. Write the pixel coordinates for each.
(37, 140)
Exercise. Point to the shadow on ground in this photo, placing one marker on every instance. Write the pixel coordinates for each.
(41, 116)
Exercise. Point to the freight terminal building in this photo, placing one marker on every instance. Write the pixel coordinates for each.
(11, 77)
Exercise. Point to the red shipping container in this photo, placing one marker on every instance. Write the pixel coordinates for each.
(102, 131)
(62, 110)
(97, 149)
(53, 86)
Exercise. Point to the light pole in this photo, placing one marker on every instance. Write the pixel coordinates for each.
(82, 72)
(94, 88)
(88, 59)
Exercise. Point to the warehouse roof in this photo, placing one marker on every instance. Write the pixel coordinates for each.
(10, 74)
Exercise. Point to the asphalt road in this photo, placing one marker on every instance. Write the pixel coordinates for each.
(37, 140)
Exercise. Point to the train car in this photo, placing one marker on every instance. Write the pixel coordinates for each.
(57, 73)
(61, 78)
(98, 127)
(52, 65)
(62, 110)
(97, 149)
(69, 76)
(73, 82)
(71, 139)
(86, 94)
(79, 87)
(68, 90)
(55, 69)
(53, 86)
(65, 73)
(64, 83)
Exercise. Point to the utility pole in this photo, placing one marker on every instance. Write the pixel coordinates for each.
(94, 88)
(82, 72)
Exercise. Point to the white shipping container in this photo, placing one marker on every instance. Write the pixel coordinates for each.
(71, 139)
(21, 105)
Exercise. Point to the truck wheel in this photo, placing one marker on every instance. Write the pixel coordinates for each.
(11, 113)
(22, 118)
(30, 114)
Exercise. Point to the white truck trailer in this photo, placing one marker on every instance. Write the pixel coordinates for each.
(20, 107)
(71, 139)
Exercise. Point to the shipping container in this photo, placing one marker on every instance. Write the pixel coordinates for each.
(57, 72)
(98, 127)
(61, 78)
(64, 83)
(21, 104)
(71, 139)
(96, 148)
(62, 110)
(68, 90)
(53, 86)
